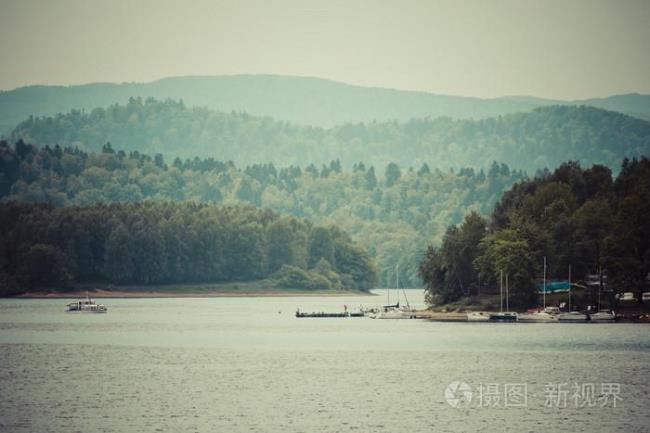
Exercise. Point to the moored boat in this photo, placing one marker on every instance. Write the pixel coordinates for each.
(503, 317)
(86, 306)
(603, 316)
(538, 316)
(478, 316)
(395, 311)
(573, 316)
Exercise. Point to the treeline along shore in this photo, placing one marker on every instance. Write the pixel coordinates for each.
(70, 217)
(170, 243)
(581, 219)
(371, 179)
(391, 212)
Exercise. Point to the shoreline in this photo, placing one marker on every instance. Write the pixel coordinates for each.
(133, 294)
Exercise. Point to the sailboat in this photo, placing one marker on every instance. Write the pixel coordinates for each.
(601, 315)
(572, 316)
(394, 311)
(544, 315)
(503, 316)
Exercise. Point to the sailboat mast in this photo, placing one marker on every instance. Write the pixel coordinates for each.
(397, 282)
(501, 291)
(388, 295)
(404, 292)
(600, 283)
(544, 286)
(569, 286)
(507, 304)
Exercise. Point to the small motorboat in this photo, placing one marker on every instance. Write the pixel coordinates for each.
(539, 316)
(603, 316)
(573, 316)
(478, 316)
(86, 306)
(548, 314)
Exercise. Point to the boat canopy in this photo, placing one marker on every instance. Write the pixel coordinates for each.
(554, 286)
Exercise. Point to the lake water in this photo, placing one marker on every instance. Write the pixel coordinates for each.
(248, 365)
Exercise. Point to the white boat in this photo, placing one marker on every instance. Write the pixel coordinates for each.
(552, 310)
(86, 306)
(478, 316)
(389, 311)
(572, 316)
(626, 297)
(603, 316)
(505, 316)
(394, 313)
(539, 316)
(547, 314)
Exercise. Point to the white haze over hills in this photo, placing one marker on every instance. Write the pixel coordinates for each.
(301, 100)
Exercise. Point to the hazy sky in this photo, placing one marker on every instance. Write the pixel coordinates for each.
(557, 49)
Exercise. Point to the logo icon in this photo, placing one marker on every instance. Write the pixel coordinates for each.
(458, 394)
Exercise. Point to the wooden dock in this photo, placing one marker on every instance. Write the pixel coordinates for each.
(302, 315)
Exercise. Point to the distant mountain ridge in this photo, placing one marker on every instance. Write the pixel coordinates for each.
(542, 138)
(302, 100)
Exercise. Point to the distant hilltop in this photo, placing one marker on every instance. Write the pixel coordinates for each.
(542, 138)
(302, 100)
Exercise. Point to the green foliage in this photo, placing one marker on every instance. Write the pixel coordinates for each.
(326, 270)
(448, 271)
(627, 246)
(167, 243)
(545, 137)
(565, 215)
(433, 272)
(321, 247)
(392, 223)
(292, 277)
(573, 216)
(42, 265)
(393, 173)
(507, 253)
(287, 244)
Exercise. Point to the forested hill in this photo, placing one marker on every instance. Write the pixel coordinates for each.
(391, 212)
(157, 243)
(309, 101)
(583, 218)
(542, 138)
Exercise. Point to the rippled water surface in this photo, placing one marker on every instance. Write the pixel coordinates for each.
(248, 365)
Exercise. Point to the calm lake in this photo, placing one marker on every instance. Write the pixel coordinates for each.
(248, 365)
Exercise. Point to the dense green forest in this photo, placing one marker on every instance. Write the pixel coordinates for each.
(392, 212)
(157, 243)
(303, 100)
(545, 137)
(573, 216)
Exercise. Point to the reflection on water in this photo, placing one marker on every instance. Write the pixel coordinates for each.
(247, 364)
